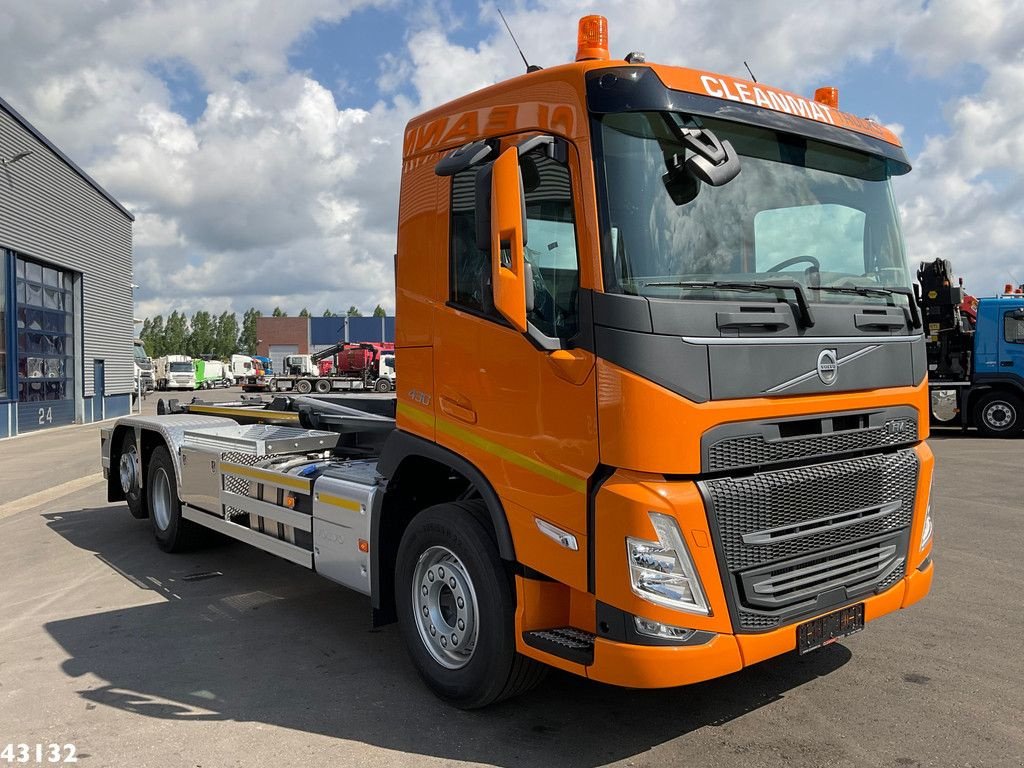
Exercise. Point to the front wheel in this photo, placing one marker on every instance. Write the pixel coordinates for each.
(456, 608)
(382, 385)
(999, 414)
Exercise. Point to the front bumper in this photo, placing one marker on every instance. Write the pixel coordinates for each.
(638, 666)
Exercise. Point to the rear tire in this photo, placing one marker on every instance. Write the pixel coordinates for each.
(173, 533)
(456, 608)
(303, 386)
(129, 468)
(323, 386)
(999, 414)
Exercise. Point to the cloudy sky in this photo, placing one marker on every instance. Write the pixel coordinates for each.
(258, 141)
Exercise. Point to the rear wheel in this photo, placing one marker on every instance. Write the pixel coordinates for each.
(172, 531)
(999, 414)
(129, 467)
(456, 608)
(323, 386)
(303, 386)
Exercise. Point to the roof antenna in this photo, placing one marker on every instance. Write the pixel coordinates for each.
(751, 73)
(529, 67)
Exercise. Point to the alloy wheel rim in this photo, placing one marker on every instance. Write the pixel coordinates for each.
(161, 499)
(1000, 415)
(445, 607)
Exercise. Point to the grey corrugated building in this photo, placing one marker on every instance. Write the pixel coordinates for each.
(66, 306)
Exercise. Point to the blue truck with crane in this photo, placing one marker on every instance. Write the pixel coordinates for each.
(975, 353)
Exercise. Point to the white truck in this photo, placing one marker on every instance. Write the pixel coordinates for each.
(246, 373)
(143, 368)
(174, 372)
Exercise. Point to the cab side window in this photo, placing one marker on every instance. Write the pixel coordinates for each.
(1013, 327)
(470, 277)
(550, 247)
(551, 244)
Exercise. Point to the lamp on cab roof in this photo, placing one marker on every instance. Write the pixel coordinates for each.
(829, 96)
(592, 39)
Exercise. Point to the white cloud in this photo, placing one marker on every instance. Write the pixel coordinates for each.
(278, 194)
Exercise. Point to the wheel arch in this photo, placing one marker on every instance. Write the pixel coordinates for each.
(419, 474)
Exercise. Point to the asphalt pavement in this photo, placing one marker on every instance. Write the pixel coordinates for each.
(230, 657)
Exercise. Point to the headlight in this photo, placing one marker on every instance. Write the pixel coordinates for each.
(662, 571)
(926, 529)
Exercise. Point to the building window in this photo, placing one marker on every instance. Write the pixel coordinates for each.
(45, 317)
(3, 325)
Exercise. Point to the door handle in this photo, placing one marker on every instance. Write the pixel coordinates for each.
(1006, 363)
(457, 405)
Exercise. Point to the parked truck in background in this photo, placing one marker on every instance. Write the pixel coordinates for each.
(975, 353)
(211, 373)
(174, 372)
(144, 381)
(659, 420)
(247, 373)
(343, 366)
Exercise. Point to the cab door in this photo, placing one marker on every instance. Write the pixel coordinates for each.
(1011, 342)
(522, 407)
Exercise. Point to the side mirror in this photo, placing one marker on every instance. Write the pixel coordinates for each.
(508, 238)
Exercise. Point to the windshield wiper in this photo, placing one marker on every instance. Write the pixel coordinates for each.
(879, 290)
(803, 314)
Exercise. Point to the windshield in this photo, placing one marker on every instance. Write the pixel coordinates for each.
(799, 210)
(140, 354)
(181, 367)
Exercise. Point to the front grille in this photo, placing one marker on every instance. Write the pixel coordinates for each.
(756, 450)
(815, 506)
(851, 567)
(799, 540)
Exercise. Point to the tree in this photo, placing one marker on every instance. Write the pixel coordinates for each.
(353, 311)
(303, 312)
(202, 337)
(226, 335)
(176, 334)
(378, 311)
(153, 336)
(278, 312)
(247, 339)
(328, 313)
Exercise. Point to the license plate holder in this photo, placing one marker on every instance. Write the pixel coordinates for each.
(829, 628)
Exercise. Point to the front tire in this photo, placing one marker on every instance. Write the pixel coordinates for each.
(173, 532)
(456, 608)
(999, 414)
(382, 385)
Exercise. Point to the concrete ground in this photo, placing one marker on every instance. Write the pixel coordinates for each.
(230, 657)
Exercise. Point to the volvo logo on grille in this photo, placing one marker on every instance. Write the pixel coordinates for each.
(828, 367)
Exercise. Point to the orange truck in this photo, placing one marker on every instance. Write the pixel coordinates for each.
(663, 400)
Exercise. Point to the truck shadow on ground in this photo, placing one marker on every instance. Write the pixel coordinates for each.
(233, 634)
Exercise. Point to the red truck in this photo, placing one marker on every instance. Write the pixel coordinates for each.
(343, 366)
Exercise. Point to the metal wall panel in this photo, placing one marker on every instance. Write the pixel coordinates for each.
(50, 213)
